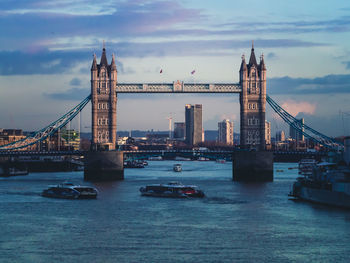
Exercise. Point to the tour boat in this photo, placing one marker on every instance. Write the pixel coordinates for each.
(172, 189)
(70, 191)
(177, 167)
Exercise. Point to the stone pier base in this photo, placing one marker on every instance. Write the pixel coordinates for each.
(252, 166)
(104, 166)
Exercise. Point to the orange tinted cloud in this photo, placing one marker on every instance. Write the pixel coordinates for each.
(295, 107)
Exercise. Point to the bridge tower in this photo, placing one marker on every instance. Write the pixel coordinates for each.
(252, 77)
(104, 103)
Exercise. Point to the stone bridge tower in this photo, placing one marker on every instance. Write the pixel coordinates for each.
(253, 102)
(104, 103)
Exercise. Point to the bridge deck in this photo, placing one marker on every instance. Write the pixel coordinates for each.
(178, 87)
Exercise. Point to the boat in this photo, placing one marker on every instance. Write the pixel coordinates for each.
(177, 167)
(306, 166)
(68, 190)
(172, 189)
(220, 160)
(329, 184)
(134, 164)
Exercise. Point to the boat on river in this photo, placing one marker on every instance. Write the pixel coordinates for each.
(172, 189)
(177, 167)
(68, 190)
(328, 183)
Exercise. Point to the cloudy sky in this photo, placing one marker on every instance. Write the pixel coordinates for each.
(46, 50)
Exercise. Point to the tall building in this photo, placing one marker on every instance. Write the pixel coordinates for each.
(179, 130)
(194, 126)
(280, 136)
(104, 103)
(225, 132)
(253, 102)
(267, 132)
(296, 134)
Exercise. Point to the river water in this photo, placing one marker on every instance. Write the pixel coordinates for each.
(235, 222)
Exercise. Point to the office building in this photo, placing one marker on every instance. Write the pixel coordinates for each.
(179, 130)
(225, 132)
(280, 136)
(295, 134)
(194, 126)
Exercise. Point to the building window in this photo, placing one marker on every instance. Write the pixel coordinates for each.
(99, 105)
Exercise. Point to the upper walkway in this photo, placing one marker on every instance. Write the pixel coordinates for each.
(178, 87)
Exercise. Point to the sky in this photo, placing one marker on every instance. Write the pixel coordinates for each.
(46, 51)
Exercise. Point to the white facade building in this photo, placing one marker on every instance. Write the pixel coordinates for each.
(225, 132)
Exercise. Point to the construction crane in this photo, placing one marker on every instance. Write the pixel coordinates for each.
(170, 119)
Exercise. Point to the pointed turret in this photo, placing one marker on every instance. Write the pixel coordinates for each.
(252, 60)
(103, 58)
(94, 63)
(243, 64)
(262, 63)
(113, 65)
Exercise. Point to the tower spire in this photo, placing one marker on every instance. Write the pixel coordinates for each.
(104, 57)
(94, 63)
(113, 65)
(252, 60)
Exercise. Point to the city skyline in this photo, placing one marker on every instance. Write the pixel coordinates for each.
(46, 54)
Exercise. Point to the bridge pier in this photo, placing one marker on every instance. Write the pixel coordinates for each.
(252, 166)
(104, 166)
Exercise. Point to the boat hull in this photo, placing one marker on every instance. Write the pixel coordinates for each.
(173, 195)
(50, 195)
(323, 196)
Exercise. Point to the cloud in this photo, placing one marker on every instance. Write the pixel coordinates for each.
(321, 85)
(339, 24)
(347, 64)
(73, 26)
(271, 55)
(75, 94)
(75, 82)
(296, 107)
(41, 62)
(44, 61)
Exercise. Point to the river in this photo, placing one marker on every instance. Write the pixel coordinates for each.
(235, 222)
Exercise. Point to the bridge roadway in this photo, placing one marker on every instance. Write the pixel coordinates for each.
(178, 87)
(155, 152)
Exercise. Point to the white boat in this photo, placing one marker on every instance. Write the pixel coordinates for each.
(177, 167)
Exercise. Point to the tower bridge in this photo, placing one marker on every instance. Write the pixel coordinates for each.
(102, 162)
(251, 89)
(252, 96)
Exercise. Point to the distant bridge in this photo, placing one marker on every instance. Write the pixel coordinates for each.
(165, 153)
